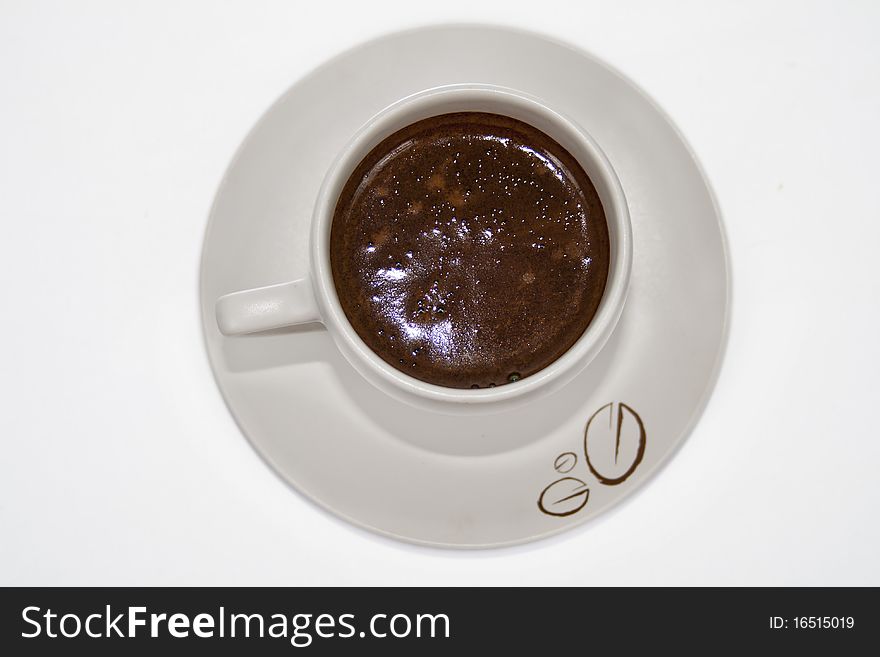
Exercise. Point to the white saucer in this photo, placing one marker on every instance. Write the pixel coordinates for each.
(469, 481)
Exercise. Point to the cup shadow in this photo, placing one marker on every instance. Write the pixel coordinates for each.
(280, 347)
(453, 435)
(486, 434)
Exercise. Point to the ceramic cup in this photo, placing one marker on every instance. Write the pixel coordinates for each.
(313, 298)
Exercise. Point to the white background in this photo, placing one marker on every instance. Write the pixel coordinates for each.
(120, 463)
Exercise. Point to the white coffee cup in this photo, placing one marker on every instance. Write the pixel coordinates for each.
(314, 299)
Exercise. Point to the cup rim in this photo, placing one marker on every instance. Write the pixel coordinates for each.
(370, 364)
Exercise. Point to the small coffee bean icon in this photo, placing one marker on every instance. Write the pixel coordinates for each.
(614, 443)
(564, 497)
(565, 462)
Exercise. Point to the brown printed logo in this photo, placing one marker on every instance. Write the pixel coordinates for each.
(614, 446)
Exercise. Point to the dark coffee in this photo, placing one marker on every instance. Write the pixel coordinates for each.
(469, 250)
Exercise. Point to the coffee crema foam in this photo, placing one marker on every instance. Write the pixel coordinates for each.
(469, 250)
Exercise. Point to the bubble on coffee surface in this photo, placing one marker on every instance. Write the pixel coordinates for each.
(469, 250)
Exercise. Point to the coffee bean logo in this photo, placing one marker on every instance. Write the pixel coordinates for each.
(565, 462)
(564, 497)
(614, 443)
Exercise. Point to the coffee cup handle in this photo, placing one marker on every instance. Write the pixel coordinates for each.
(267, 308)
